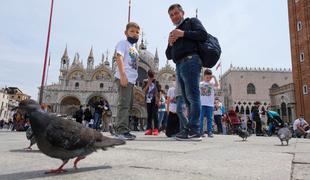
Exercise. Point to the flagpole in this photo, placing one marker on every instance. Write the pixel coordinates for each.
(48, 68)
(129, 8)
(46, 52)
(197, 13)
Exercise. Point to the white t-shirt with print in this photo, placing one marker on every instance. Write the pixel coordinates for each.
(300, 122)
(173, 101)
(130, 56)
(207, 93)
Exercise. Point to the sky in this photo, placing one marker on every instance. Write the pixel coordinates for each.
(252, 33)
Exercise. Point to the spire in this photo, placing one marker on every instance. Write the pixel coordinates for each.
(91, 55)
(102, 58)
(156, 54)
(90, 59)
(142, 45)
(76, 59)
(65, 55)
(107, 63)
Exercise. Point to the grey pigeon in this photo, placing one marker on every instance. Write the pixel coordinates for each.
(284, 134)
(64, 139)
(31, 138)
(243, 133)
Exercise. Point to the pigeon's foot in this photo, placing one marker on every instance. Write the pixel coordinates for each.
(55, 171)
(59, 170)
(77, 160)
(28, 149)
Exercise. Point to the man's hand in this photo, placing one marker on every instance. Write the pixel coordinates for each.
(123, 80)
(171, 39)
(175, 35)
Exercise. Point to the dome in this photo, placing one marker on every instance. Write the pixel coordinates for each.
(147, 57)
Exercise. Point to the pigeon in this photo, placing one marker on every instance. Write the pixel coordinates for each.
(64, 139)
(31, 138)
(243, 133)
(284, 134)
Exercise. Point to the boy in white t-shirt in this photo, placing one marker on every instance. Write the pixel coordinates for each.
(173, 125)
(207, 87)
(126, 75)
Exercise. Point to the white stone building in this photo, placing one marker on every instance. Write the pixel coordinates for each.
(7, 104)
(241, 87)
(283, 101)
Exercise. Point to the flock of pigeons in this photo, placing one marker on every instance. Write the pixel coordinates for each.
(284, 134)
(65, 139)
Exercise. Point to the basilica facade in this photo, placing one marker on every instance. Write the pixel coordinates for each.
(79, 85)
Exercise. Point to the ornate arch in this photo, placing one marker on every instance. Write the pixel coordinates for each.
(76, 74)
(69, 104)
(102, 73)
(66, 96)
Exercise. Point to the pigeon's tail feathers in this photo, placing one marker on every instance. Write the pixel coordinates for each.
(109, 142)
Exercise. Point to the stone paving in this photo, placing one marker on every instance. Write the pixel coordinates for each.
(150, 157)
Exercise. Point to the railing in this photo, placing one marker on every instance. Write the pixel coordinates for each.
(282, 88)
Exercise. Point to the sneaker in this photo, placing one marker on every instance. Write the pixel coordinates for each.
(194, 136)
(182, 135)
(126, 136)
(210, 135)
(148, 132)
(155, 132)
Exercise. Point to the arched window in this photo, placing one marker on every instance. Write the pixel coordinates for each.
(242, 110)
(274, 86)
(77, 85)
(247, 110)
(283, 109)
(237, 109)
(251, 89)
(101, 85)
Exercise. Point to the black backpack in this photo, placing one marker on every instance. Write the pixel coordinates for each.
(209, 51)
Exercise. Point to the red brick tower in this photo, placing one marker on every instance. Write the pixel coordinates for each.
(299, 22)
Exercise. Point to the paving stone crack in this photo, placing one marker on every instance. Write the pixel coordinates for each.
(160, 169)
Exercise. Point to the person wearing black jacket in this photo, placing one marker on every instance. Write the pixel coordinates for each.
(182, 49)
(87, 115)
(79, 115)
(256, 118)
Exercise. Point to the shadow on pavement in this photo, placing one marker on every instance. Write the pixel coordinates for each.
(155, 139)
(24, 151)
(41, 173)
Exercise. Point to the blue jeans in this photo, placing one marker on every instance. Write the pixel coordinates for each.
(97, 120)
(206, 111)
(160, 118)
(270, 127)
(180, 111)
(188, 74)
